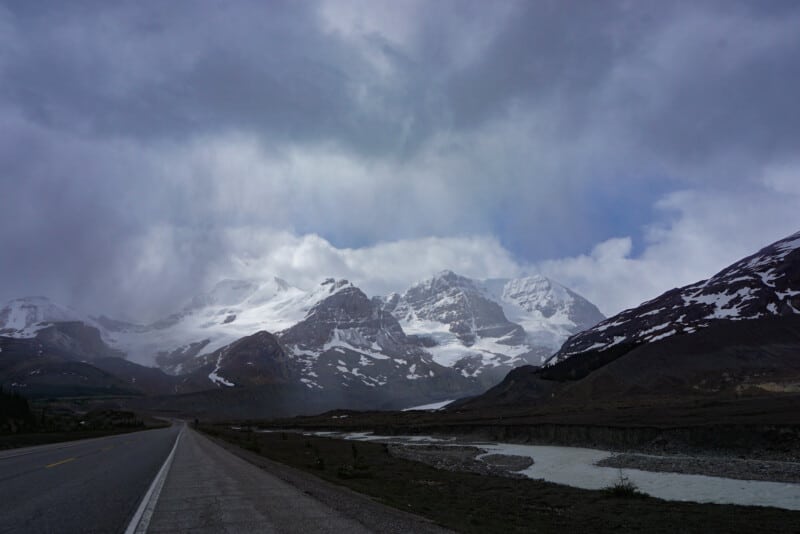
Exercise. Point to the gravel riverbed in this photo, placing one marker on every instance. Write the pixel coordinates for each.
(725, 467)
(463, 458)
(473, 459)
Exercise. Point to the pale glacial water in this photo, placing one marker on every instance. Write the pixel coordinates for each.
(575, 466)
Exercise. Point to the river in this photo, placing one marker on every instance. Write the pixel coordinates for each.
(575, 466)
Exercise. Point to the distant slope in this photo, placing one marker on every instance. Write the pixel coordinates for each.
(232, 310)
(35, 370)
(762, 285)
(726, 360)
(444, 338)
(24, 317)
(735, 334)
(70, 359)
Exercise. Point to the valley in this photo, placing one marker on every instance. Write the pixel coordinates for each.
(399, 266)
(680, 397)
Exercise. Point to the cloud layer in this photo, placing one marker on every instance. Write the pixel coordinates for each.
(148, 149)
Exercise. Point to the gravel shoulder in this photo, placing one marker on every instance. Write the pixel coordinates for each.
(373, 515)
(471, 502)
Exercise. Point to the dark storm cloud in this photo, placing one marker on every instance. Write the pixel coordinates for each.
(690, 78)
(134, 136)
(173, 68)
(546, 51)
(179, 68)
(176, 69)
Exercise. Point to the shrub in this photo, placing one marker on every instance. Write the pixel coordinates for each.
(623, 487)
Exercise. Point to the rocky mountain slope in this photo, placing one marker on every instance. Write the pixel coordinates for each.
(443, 338)
(24, 317)
(349, 339)
(473, 325)
(37, 367)
(735, 334)
(496, 320)
(762, 285)
(232, 310)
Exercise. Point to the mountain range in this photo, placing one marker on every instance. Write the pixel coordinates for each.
(252, 346)
(444, 337)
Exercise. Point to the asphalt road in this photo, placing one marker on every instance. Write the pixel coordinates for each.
(97, 485)
(85, 486)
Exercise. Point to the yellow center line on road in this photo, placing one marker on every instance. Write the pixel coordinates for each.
(60, 462)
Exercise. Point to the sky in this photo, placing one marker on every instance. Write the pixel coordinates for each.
(149, 149)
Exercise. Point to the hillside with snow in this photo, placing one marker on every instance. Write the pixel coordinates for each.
(765, 284)
(24, 317)
(477, 324)
(448, 335)
(232, 310)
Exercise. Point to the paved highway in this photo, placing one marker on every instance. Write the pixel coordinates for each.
(91, 485)
(149, 482)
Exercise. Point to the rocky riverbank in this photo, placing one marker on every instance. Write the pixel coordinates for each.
(473, 459)
(463, 458)
(726, 467)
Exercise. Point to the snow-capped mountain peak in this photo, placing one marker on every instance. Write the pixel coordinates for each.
(232, 309)
(22, 317)
(536, 293)
(329, 286)
(447, 325)
(764, 284)
(548, 311)
(501, 322)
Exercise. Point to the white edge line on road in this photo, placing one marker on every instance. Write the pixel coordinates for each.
(141, 519)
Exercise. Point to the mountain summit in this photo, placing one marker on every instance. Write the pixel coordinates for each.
(23, 317)
(474, 325)
(444, 337)
(762, 285)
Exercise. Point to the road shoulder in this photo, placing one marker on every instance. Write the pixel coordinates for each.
(370, 513)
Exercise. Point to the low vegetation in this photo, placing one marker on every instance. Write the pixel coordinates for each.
(15, 413)
(25, 424)
(469, 502)
(624, 488)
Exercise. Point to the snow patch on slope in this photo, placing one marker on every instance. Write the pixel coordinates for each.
(216, 378)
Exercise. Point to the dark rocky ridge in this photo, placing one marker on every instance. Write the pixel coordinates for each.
(736, 334)
(729, 359)
(350, 341)
(337, 337)
(78, 338)
(254, 360)
(764, 284)
(35, 369)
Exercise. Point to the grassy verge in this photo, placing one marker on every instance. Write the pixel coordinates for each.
(479, 503)
(31, 439)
